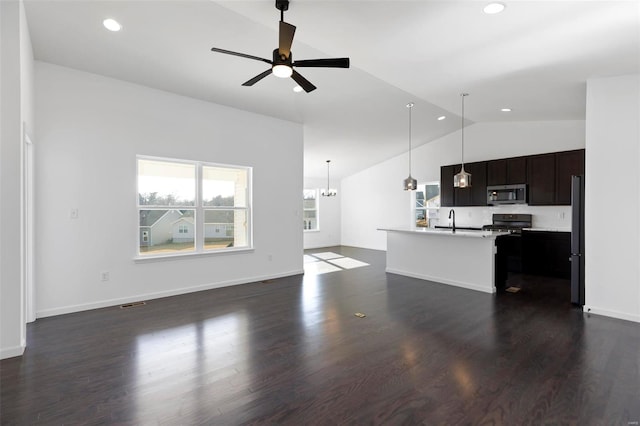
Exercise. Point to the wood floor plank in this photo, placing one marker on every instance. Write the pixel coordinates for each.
(291, 351)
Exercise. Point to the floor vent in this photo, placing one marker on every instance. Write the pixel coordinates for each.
(132, 305)
(513, 289)
(267, 281)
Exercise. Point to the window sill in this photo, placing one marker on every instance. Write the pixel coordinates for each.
(311, 230)
(177, 256)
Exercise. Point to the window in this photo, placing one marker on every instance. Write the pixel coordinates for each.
(192, 207)
(310, 207)
(427, 204)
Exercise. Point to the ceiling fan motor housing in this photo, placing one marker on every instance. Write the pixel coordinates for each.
(279, 59)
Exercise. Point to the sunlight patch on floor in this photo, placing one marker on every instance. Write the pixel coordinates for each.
(322, 263)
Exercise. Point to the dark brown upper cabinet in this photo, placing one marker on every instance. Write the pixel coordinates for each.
(568, 163)
(507, 171)
(476, 195)
(548, 177)
(446, 185)
(516, 170)
(497, 172)
(541, 172)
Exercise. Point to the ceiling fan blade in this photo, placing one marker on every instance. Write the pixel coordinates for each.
(257, 78)
(303, 82)
(286, 38)
(324, 63)
(242, 55)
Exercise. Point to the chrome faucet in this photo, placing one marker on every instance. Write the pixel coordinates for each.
(452, 213)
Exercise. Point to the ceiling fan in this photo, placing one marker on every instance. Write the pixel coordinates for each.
(282, 63)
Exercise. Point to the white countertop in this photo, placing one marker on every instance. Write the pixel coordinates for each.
(547, 229)
(445, 232)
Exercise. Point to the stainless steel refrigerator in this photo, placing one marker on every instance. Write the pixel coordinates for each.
(577, 240)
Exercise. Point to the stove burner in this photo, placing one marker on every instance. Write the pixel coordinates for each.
(512, 223)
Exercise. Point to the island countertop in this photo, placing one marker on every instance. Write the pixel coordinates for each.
(447, 232)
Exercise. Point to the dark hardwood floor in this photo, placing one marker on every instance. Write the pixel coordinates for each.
(291, 351)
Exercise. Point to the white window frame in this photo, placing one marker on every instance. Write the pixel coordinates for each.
(317, 210)
(199, 209)
(415, 209)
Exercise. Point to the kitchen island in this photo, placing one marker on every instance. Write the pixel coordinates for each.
(462, 258)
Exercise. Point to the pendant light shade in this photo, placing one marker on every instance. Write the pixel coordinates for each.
(328, 192)
(462, 179)
(410, 184)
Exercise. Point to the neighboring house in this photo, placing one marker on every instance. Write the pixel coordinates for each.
(218, 231)
(183, 230)
(156, 226)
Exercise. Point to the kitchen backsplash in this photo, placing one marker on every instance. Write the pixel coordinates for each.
(546, 217)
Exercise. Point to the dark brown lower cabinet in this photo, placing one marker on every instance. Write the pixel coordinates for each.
(546, 253)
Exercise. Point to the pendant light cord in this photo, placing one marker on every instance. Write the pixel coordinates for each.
(410, 106)
(328, 190)
(462, 127)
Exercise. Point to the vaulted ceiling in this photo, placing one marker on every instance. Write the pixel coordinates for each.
(534, 58)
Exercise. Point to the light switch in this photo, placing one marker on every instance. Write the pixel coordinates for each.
(73, 214)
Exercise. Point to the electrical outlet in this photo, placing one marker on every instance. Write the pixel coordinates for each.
(270, 258)
(104, 276)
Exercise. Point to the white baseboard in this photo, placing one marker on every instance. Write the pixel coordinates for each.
(157, 295)
(608, 313)
(11, 352)
(441, 280)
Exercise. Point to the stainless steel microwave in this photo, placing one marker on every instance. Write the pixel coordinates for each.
(507, 194)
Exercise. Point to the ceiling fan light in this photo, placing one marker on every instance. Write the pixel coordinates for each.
(282, 71)
(112, 25)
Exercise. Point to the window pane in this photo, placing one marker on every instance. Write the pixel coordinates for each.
(225, 228)
(166, 231)
(163, 183)
(224, 187)
(432, 195)
(421, 218)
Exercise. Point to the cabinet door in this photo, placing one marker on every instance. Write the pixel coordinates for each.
(541, 171)
(476, 195)
(496, 172)
(568, 164)
(546, 253)
(516, 170)
(446, 185)
(478, 183)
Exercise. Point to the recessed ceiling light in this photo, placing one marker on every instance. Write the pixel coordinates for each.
(442, 117)
(112, 24)
(506, 110)
(297, 89)
(493, 8)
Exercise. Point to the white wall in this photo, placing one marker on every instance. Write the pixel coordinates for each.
(90, 129)
(329, 216)
(16, 81)
(378, 191)
(612, 199)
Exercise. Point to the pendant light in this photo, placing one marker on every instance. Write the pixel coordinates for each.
(410, 183)
(328, 192)
(462, 179)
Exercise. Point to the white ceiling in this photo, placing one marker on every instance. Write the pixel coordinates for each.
(535, 58)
